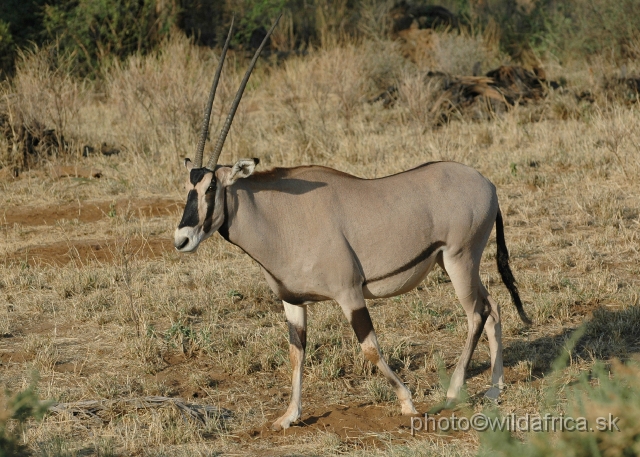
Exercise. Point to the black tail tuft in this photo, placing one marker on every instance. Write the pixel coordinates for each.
(505, 271)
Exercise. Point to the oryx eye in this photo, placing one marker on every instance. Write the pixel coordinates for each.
(211, 187)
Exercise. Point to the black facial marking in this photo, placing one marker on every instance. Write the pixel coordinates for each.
(190, 215)
(297, 336)
(361, 323)
(424, 255)
(210, 198)
(196, 174)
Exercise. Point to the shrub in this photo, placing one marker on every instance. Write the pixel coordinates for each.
(607, 391)
(574, 28)
(588, 27)
(15, 410)
(6, 48)
(97, 31)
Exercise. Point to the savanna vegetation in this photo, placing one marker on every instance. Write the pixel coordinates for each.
(113, 344)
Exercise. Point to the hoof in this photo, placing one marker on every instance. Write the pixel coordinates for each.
(493, 394)
(409, 410)
(278, 425)
(284, 422)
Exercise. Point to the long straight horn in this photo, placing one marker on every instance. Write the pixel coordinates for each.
(227, 125)
(207, 110)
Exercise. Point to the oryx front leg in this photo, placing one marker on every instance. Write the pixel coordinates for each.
(358, 315)
(297, 322)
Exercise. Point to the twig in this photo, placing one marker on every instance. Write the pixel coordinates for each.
(95, 409)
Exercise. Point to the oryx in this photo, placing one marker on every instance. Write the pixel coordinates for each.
(320, 234)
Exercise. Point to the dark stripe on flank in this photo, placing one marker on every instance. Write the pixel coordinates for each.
(190, 215)
(297, 336)
(424, 255)
(361, 323)
(295, 298)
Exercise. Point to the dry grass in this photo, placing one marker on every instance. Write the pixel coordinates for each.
(206, 327)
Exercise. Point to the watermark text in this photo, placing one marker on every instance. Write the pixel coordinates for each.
(512, 423)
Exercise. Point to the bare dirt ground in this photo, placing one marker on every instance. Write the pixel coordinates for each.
(86, 248)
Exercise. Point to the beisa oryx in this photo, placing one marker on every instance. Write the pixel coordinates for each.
(320, 234)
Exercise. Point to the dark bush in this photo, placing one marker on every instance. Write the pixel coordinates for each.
(95, 32)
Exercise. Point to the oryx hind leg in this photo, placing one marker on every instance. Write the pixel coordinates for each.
(493, 327)
(355, 309)
(463, 270)
(297, 322)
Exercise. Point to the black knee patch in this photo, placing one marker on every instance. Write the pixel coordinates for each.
(361, 323)
(297, 336)
(486, 309)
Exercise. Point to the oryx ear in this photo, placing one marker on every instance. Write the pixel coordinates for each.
(242, 169)
(188, 164)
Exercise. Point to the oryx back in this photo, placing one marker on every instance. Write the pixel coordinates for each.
(336, 231)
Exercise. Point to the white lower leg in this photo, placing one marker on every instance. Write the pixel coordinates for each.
(354, 308)
(297, 321)
(371, 352)
(493, 328)
(295, 406)
(475, 322)
(464, 273)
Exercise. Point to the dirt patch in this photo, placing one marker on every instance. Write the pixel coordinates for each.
(350, 421)
(90, 211)
(364, 424)
(84, 251)
(15, 357)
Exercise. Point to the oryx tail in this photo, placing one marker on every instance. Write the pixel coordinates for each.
(505, 271)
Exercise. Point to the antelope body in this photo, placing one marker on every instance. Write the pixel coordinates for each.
(320, 234)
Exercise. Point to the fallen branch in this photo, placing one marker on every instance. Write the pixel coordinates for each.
(97, 410)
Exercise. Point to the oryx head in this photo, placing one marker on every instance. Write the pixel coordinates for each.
(204, 211)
